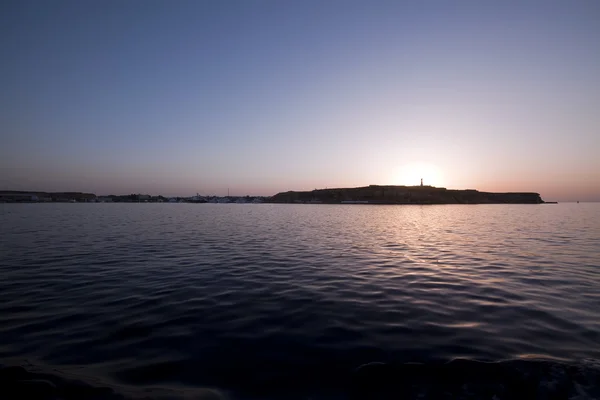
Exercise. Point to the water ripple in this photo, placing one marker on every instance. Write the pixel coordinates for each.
(237, 296)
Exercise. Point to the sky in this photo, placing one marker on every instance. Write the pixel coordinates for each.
(257, 97)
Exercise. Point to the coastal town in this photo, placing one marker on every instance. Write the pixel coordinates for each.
(78, 197)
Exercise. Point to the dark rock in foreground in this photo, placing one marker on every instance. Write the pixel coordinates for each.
(457, 379)
(469, 379)
(376, 194)
(17, 383)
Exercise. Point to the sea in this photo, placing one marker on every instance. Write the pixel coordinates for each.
(300, 301)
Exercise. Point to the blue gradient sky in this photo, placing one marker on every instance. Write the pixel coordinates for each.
(179, 97)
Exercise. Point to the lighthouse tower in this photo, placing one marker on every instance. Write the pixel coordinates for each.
(421, 182)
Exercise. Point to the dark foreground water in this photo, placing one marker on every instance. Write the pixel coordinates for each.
(249, 301)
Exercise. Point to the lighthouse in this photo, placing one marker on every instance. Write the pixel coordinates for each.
(421, 182)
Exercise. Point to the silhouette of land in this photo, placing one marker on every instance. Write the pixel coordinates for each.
(376, 194)
(19, 196)
(373, 194)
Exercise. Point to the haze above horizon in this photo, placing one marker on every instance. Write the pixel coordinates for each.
(260, 97)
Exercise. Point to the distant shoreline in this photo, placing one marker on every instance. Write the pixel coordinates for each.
(13, 196)
(373, 195)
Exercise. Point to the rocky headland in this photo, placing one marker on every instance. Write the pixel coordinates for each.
(376, 194)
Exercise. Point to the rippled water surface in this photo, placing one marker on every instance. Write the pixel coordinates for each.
(252, 298)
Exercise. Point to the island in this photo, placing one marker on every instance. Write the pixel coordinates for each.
(387, 194)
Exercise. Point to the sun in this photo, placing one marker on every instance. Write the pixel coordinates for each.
(411, 175)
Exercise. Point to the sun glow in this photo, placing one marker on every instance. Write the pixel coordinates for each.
(411, 175)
